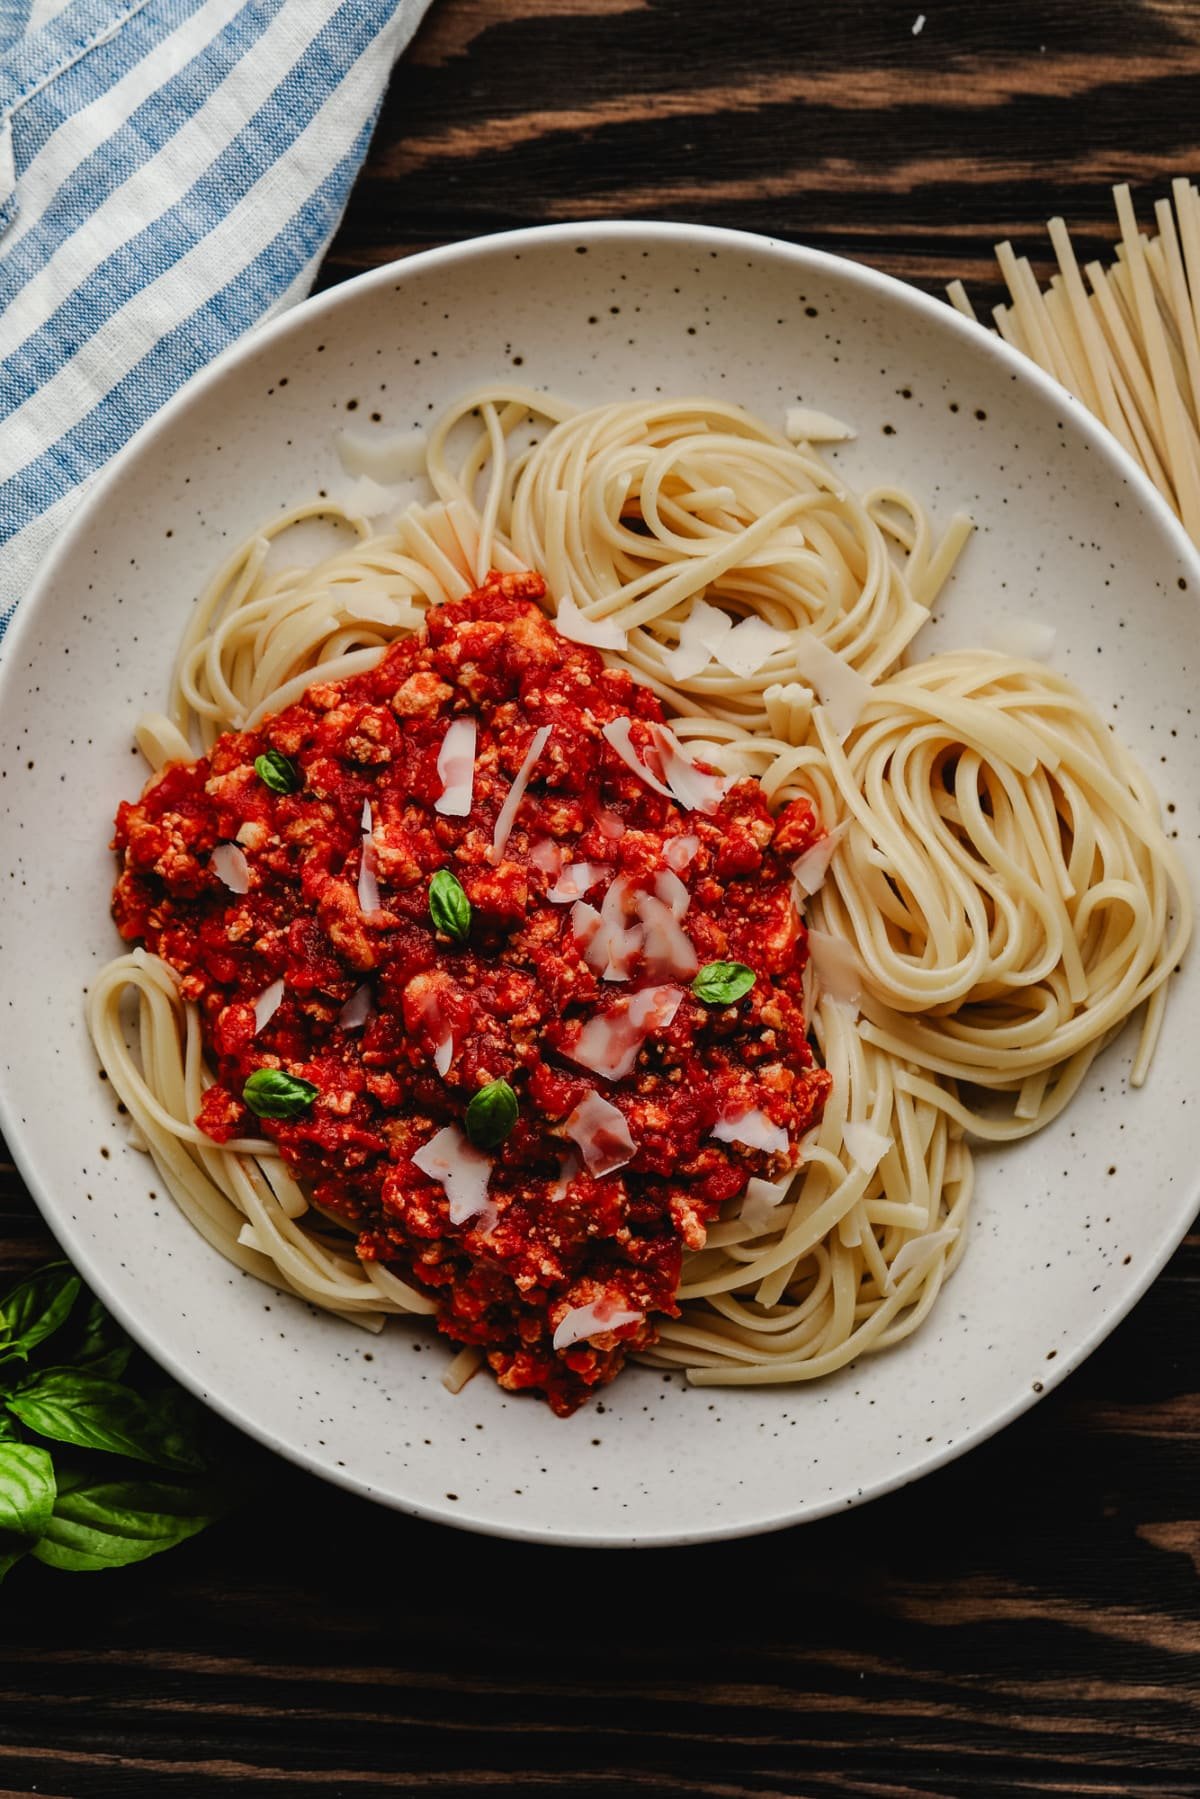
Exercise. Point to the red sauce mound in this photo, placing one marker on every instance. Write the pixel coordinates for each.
(513, 999)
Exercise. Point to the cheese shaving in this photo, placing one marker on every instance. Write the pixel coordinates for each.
(811, 868)
(576, 879)
(516, 793)
(760, 1204)
(462, 1172)
(368, 886)
(753, 1130)
(919, 1250)
(867, 1146)
(836, 967)
(668, 949)
(367, 498)
(456, 769)
(805, 425)
(700, 637)
(841, 689)
(751, 643)
(267, 1004)
(601, 1132)
(609, 1043)
(597, 633)
(681, 852)
(596, 1320)
(229, 864)
(689, 785)
(357, 1009)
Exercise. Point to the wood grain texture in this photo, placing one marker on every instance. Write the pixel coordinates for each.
(1026, 1622)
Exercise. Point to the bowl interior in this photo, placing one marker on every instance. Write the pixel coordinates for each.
(1067, 1229)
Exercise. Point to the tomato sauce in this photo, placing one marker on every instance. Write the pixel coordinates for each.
(511, 1002)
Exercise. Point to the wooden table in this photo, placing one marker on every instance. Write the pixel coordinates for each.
(1025, 1622)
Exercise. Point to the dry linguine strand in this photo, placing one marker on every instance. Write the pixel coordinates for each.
(1003, 878)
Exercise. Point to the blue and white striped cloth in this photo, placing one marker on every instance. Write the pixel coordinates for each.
(171, 172)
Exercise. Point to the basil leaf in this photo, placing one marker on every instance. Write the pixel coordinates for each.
(8, 1429)
(109, 1523)
(27, 1488)
(69, 1405)
(9, 1559)
(275, 771)
(35, 1309)
(491, 1114)
(721, 983)
(449, 907)
(270, 1093)
(103, 1346)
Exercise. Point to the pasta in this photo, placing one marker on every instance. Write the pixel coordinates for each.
(994, 899)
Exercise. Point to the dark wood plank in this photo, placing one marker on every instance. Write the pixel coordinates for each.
(1026, 1622)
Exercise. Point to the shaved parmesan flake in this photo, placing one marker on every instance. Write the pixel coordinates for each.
(609, 1044)
(919, 1250)
(671, 890)
(443, 1055)
(585, 922)
(462, 1172)
(583, 1322)
(568, 1167)
(680, 852)
(267, 1004)
(456, 769)
(368, 886)
(1026, 638)
(867, 1146)
(366, 822)
(229, 864)
(357, 1009)
(576, 879)
(599, 633)
(546, 855)
(836, 967)
(611, 826)
(668, 949)
(805, 425)
(394, 456)
(841, 689)
(810, 868)
(616, 732)
(689, 785)
(609, 947)
(760, 1204)
(753, 1130)
(516, 793)
(601, 1131)
(374, 609)
(744, 649)
(367, 499)
(700, 636)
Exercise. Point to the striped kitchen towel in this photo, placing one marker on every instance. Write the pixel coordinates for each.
(171, 172)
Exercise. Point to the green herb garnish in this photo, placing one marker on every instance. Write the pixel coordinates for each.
(491, 1115)
(81, 1448)
(276, 772)
(449, 907)
(270, 1093)
(721, 983)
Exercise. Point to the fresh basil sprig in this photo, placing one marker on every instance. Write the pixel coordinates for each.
(277, 771)
(721, 983)
(80, 1448)
(270, 1093)
(449, 907)
(491, 1115)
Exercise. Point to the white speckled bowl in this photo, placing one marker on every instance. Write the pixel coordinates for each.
(1068, 1229)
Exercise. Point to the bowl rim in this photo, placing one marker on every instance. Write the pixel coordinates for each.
(326, 304)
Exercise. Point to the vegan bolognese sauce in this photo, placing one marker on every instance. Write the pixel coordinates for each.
(512, 983)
